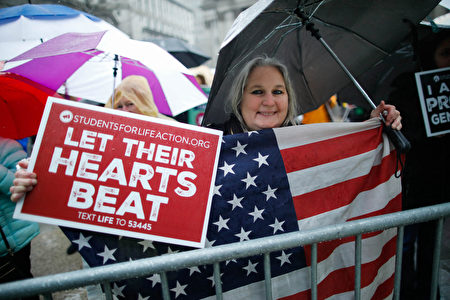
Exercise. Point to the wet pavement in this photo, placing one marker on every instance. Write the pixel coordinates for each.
(48, 256)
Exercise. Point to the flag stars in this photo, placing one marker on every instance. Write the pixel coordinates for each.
(117, 291)
(227, 169)
(155, 278)
(146, 244)
(257, 214)
(217, 190)
(170, 251)
(82, 241)
(250, 180)
(243, 235)
(277, 225)
(222, 223)
(194, 269)
(270, 193)
(262, 160)
(213, 282)
(107, 254)
(179, 289)
(231, 260)
(236, 202)
(209, 244)
(251, 267)
(239, 148)
(284, 258)
(140, 297)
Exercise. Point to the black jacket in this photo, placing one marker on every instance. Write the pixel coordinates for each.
(426, 176)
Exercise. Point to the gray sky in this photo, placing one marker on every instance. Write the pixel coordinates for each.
(445, 3)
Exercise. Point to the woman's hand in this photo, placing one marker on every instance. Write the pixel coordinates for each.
(24, 181)
(390, 114)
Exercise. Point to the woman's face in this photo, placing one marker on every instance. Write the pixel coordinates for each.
(127, 105)
(265, 99)
(442, 54)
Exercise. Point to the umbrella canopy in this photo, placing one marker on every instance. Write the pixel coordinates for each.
(186, 53)
(84, 65)
(26, 26)
(22, 103)
(377, 81)
(360, 33)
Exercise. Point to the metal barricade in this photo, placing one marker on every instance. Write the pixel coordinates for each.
(46, 285)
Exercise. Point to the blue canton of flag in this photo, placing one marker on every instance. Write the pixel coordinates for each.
(251, 200)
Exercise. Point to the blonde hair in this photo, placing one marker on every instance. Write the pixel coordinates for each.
(135, 89)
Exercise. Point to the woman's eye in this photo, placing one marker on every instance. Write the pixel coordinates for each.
(129, 104)
(257, 92)
(118, 106)
(278, 92)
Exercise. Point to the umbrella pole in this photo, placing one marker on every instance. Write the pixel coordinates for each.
(116, 61)
(399, 140)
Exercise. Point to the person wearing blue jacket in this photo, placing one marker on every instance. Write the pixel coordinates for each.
(15, 263)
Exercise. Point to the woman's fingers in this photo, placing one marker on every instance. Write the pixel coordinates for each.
(390, 114)
(24, 182)
(23, 164)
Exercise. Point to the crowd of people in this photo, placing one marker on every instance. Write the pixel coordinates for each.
(262, 97)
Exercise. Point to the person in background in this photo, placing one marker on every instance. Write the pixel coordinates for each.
(134, 95)
(200, 79)
(15, 243)
(426, 175)
(262, 97)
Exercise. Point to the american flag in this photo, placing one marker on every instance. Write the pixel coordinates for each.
(272, 182)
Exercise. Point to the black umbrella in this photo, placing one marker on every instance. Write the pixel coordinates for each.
(377, 81)
(359, 33)
(186, 53)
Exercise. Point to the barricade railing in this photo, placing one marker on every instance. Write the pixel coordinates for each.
(46, 285)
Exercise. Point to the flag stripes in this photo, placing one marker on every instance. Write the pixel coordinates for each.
(277, 181)
(356, 180)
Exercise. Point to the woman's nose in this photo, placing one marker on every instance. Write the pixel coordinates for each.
(268, 100)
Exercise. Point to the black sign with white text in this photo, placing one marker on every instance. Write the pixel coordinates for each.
(434, 93)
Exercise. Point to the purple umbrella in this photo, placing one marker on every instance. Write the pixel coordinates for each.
(82, 65)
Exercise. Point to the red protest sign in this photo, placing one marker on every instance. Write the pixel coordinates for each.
(126, 174)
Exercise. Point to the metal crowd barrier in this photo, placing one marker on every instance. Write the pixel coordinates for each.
(46, 285)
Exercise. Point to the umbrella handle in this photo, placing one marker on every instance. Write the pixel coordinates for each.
(400, 142)
(115, 68)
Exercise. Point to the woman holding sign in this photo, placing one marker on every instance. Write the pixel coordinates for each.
(261, 98)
